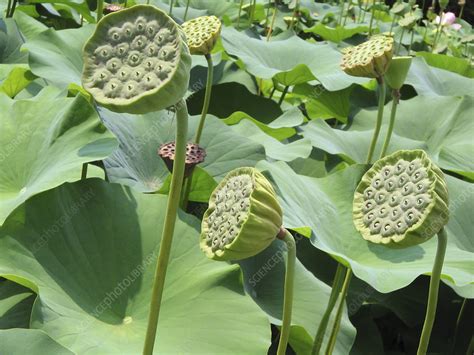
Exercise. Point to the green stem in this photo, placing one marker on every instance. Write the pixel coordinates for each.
(294, 17)
(372, 15)
(171, 7)
(240, 12)
(433, 292)
(438, 31)
(411, 40)
(461, 11)
(393, 23)
(100, 9)
(186, 10)
(207, 98)
(339, 20)
(272, 92)
(283, 94)
(84, 171)
(378, 124)
(393, 113)
(169, 223)
(12, 10)
(272, 23)
(336, 289)
(252, 12)
(9, 5)
(288, 293)
(400, 43)
(337, 321)
(366, 8)
(458, 323)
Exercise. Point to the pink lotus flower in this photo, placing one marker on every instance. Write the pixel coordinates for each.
(448, 19)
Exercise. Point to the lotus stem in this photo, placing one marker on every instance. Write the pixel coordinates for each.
(272, 23)
(393, 23)
(171, 7)
(169, 223)
(9, 5)
(458, 323)
(207, 97)
(411, 40)
(186, 10)
(100, 9)
(372, 15)
(339, 20)
(337, 321)
(240, 12)
(336, 289)
(400, 43)
(84, 171)
(288, 291)
(378, 124)
(393, 113)
(433, 292)
(283, 94)
(11, 12)
(252, 12)
(438, 31)
(294, 17)
(366, 7)
(272, 92)
(197, 138)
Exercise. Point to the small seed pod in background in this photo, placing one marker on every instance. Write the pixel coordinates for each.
(202, 34)
(370, 59)
(109, 8)
(401, 201)
(194, 156)
(243, 217)
(136, 61)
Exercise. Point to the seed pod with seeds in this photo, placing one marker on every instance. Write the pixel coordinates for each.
(202, 34)
(194, 156)
(141, 58)
(369, 59)
(249, 214)
(401, 201)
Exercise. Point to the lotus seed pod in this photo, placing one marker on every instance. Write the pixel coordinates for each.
(243, 217)
(370, 59)
(202, 34)
(397, 72)
(401, 201)
(194, 156)
(136, 61)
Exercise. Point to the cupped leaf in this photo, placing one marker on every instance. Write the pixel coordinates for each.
(290, 61)
(10, 42)
(337, 34)
(327, 211)
(16, 302)
(44, 143)
(136, 162)
(91, 258)
(29, 341)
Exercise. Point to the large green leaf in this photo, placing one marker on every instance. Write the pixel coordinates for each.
(264, 280)
(324, 206)
(44, 142)
(56, 55)
(290, 61)
(136, 162)
(91, 257)
(15, 305)
(429, 80)
(457, 65)
(29, 341)
(337, 34)
(10, 42)
(442, 126)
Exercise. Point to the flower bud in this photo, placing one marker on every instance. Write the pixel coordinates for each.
(202, 34)
(243, 217)
(401, 201)
(369, 59)
(136, 61)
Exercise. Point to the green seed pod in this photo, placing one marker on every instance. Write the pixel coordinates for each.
(370, 59)
(202, 34)
(401, 201)
(243, 217)
(136, 61)
(397, 72)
